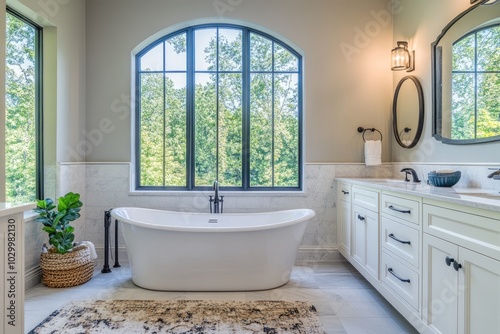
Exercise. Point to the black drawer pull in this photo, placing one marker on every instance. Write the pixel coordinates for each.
(399, 210)
(345, 192)
(449, 261)
(361, 218)
(457, 265)
(399, 278)
(399, 240)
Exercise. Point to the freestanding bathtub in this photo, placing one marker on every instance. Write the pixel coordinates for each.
(177, 251)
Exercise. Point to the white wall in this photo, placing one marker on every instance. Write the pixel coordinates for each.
(341, 93)
(420, 23)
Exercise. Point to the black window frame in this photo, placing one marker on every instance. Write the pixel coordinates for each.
(190, 150)
(38, 99)
(475, 71)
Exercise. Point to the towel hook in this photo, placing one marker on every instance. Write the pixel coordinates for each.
(363, 130)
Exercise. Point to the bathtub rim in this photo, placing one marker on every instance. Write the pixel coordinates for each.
(213, 228)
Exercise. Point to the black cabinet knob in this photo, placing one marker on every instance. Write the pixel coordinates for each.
(449, 261)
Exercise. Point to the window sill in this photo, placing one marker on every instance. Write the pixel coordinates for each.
(301, 193)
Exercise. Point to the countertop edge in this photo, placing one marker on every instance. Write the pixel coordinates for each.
(445, 194)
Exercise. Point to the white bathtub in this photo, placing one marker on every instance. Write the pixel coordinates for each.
(180, 251)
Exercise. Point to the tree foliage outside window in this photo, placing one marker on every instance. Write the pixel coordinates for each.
(219, 103)
(22, 114)
(476, 84)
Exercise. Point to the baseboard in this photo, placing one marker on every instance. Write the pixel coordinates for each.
(122, 255)
(32, 277)
(317, 254)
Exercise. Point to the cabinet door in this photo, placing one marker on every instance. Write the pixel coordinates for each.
(365, 248)
(441, 285)
(479, 294)
(344, 226)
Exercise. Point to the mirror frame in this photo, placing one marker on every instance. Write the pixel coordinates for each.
(437, 93)
(420, 126)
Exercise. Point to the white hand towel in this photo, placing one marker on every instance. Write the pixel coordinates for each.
(373, 152)
(90, 245)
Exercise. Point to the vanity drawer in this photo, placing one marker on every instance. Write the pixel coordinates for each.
(475, 232)
(400, 279)
(344, 191)
(365, 198)
(401, 240)
(403, 208)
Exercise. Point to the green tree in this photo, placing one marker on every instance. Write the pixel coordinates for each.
(20, 99)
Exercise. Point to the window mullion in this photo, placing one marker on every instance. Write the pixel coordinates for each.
(475, 85)
(190, 126)
(164, 115)
(272, 114)
(245, 104)
(217, 105)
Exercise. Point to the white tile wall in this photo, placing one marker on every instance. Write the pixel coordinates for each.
(106, 185)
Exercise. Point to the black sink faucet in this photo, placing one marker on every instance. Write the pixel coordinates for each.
(413, 174)
(495, 175)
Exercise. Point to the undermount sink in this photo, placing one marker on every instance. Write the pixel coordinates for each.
(492, 194)
(395, 181)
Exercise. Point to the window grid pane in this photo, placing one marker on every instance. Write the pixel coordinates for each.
(475, 76)
(219, 146)
(22, 111)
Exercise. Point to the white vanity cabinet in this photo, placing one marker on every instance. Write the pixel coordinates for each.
(344, 218)
(400, 247)
(12, 267)
(365, 220)
(435, 258)
(461, 269)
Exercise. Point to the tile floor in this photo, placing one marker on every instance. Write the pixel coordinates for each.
(345, 301)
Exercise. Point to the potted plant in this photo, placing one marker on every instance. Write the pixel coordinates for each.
(62, 264)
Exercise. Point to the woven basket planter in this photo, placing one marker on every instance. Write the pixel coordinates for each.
(66, 270)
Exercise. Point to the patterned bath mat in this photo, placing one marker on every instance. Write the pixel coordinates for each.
(182, 316)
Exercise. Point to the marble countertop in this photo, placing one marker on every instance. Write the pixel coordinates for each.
(7, 209)
(488, 199)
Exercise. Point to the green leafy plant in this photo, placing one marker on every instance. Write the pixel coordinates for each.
(57, 222)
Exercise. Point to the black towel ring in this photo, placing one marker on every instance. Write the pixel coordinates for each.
(363, 130)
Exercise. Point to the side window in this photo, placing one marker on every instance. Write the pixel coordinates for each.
(23, 143)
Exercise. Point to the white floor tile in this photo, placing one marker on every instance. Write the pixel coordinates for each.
(345, 302)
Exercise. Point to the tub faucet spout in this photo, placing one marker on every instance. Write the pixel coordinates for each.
(216, 202)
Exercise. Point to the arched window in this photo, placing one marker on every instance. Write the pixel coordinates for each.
(218, 102)
(475, 84)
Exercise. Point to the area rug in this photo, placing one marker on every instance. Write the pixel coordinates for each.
(182, 316)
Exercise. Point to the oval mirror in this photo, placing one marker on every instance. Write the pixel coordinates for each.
(466, 77)
(408, 112)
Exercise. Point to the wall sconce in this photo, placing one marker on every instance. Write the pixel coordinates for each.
(401, 58)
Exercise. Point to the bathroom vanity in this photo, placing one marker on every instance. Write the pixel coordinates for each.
(433, 253)
(12, 267)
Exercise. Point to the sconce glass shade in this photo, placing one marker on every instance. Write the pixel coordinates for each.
(401, 58)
